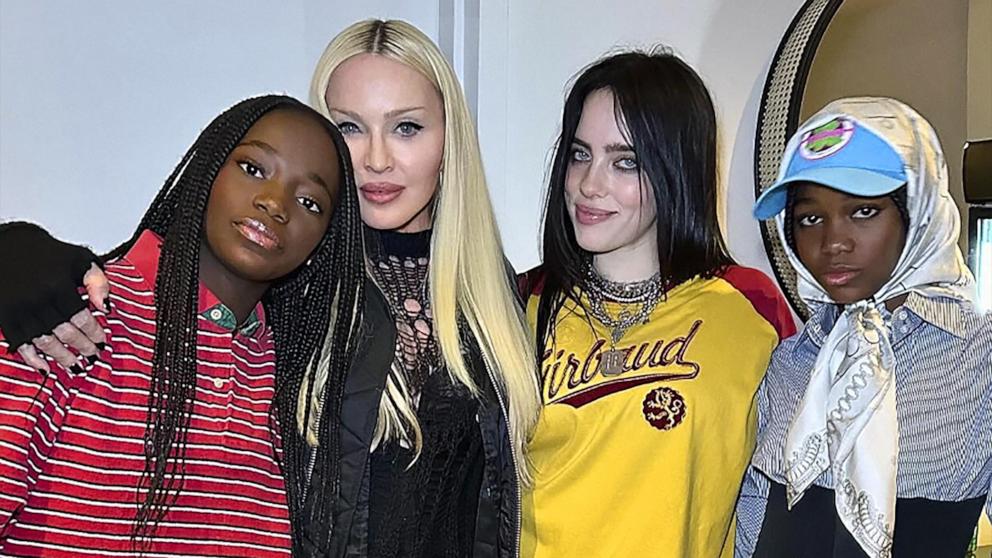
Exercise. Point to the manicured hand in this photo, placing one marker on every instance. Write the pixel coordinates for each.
(40, 303)
(81, 332)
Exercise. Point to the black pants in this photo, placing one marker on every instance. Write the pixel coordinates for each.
(924, 528)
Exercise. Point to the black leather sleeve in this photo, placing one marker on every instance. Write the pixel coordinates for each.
(39, 281)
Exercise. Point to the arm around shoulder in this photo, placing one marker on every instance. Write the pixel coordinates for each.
(41, 281)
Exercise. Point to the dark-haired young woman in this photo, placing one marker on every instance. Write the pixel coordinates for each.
(652, 341)
(175, 440)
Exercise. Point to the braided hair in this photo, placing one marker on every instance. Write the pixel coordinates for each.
(298, 306)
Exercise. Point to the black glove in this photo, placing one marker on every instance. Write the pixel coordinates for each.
(39, 284)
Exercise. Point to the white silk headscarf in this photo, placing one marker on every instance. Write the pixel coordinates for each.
(846, 421)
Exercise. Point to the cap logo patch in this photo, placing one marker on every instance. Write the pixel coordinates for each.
(827, 139)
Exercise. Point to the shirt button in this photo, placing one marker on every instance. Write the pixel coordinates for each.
(904, 329)
(216, 314)
(218, 383)
(902, 315)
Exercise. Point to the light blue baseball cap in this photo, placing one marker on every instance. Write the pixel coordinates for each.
(840, 154)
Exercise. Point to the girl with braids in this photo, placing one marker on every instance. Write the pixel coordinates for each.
(179, 437)
(420, 451)
(653, 342)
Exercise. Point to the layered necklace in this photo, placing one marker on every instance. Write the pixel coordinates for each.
(639, 300)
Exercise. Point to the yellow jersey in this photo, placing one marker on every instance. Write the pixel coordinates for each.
(647, 459)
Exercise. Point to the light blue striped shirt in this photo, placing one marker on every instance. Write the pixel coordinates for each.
(943, 351)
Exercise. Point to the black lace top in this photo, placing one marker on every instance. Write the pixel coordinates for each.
(427, 508)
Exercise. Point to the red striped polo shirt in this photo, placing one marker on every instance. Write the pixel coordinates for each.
(71, 445)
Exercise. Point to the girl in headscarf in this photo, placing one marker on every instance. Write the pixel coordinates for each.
(875, 421)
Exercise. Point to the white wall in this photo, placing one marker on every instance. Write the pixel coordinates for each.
(531, 49)
(98, 102)
(99, 99)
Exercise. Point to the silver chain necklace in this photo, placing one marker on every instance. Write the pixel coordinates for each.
(647, 294)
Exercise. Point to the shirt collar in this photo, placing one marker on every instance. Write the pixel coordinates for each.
(942, 312)
(144, 255)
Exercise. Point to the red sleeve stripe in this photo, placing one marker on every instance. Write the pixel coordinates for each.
(531, 283)
(764, 296)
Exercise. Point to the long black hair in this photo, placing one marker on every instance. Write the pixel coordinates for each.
(298, 307)
(664, 107)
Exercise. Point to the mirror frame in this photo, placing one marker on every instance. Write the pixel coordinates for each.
(778, 118)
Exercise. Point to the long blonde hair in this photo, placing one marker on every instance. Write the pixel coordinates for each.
(468, 275)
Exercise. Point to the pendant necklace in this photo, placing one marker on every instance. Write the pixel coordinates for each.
(647, 294)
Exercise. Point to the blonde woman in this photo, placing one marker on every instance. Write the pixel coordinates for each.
(418, 451)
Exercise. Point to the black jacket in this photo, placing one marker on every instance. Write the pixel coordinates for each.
(498, 517)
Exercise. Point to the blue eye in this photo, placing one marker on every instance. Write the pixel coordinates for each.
(347, 128)
(408, 129)
(252, 169)
(628, 164)
(579, 155)
(310, 205)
